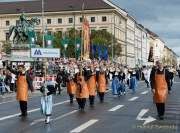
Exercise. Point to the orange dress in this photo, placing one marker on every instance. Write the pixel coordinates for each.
(101, 82)
(71, 87)
(91, 83)
(22, 88)
(82, 90)
(161, 89)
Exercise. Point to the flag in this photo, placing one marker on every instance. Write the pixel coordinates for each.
(78, 47)
(99, 52)
(105, 53)
(49, 41)
(94, 51)
(64, 42)
(32, 38)
(86, 38)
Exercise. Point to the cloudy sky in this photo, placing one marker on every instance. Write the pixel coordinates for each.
(160, 16)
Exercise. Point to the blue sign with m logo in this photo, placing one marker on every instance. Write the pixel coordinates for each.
(37, 52)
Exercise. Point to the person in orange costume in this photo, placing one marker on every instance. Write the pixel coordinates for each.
(91, 83)
(101, 84)
(160, 83)
(23, 84)
(82, 92)
(71, 88)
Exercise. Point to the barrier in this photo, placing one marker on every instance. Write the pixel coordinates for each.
(38, 81)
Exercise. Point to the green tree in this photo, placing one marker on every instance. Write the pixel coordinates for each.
(7, 47)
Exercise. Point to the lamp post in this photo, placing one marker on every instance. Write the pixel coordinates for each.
(43, 41)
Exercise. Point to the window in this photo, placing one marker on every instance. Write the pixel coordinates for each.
(7, 36)
(7, 23)
(104, 30)
(93, 19)
(48, 21)
(80, 19)
(104, 19)
(70, 20)
(59, 20)
(17, 22)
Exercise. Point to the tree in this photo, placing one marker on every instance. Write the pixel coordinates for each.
(7, 47)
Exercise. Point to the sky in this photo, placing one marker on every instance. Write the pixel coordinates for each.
(160, 16)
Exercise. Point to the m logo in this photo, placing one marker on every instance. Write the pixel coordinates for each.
(37, 52)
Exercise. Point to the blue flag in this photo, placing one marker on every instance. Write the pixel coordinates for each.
(94, 51)
(105, 53)
(99, 52)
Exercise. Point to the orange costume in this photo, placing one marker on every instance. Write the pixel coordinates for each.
(71, 87)
(101, 82)
(82, 89)
(161, 88)
(91, 83)
(22, 88)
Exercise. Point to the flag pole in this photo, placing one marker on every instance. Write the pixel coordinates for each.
(82, 36)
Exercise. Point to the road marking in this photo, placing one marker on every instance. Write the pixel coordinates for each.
(133, 98)
(57, 118)
(116, 108)
(30, 111)
(84, 126)
(145, 92)
(147, 120)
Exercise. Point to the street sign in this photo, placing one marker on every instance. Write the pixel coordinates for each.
(45, 52)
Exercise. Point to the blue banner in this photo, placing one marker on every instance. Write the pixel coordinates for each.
(99, 52)
(105, 53)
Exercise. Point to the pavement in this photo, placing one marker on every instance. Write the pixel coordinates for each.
(132, 113)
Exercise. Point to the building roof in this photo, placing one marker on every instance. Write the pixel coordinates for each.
(52, 6)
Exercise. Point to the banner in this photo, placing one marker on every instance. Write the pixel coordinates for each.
(86, 38)
(45, 52)
(32, 38)
(49, 41)
(94, 51)
(99, 52)
(105, 53)
(151, 55)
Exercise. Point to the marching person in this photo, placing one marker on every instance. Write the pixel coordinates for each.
(82, 92)
(46, 100)
(115, 84)
(160, 83)
(71, 87)
(91, 83)
(133, 81)
(23, 84)
(101, 84)
(147, 73)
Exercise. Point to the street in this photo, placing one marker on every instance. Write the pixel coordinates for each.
(132, 113)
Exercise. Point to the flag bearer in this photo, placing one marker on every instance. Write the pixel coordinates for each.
(91, 83)
(82, 92)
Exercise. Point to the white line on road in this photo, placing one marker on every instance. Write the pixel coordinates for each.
(30, 111)
(116, 108)
(57, 118)
(133, 98)
(145, 92)
(84, 126)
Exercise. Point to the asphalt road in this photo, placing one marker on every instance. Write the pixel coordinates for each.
(132, 113)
